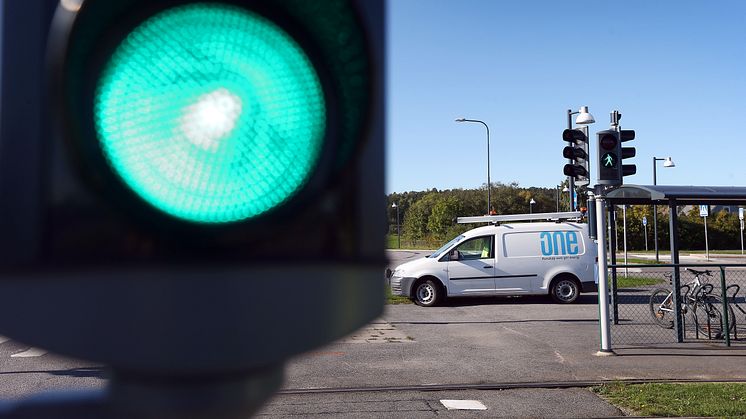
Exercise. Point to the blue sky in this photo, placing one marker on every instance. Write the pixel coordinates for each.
(676, 70)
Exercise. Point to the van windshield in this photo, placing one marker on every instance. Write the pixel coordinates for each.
(446, 246)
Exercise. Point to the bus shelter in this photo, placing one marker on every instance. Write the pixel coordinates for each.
(673, 197)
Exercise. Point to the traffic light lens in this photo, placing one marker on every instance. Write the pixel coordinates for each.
(210, 113)
(608, 142)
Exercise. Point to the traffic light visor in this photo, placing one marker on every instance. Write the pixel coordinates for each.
(210, 113)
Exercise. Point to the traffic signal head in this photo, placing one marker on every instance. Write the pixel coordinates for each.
(577, 153)
(206, 157)
(608, 158)
(611, 154)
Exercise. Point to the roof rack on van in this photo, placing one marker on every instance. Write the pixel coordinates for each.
(544, 216)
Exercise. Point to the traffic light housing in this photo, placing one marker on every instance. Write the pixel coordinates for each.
(611, 156)
(212, 177)
(609, 165)
(577, 152)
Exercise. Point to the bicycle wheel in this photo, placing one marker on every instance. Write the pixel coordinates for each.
(708, 315)
(661, 308)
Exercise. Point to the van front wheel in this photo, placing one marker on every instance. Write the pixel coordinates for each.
(427, 293)
(564, 290)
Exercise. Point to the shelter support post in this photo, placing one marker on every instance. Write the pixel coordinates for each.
(612, 251)
(673, 228)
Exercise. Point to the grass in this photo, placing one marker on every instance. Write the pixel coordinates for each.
(722, 252)
(396, 299)
(638, 261)
(698, 400)
(392, 242)
(634, 281)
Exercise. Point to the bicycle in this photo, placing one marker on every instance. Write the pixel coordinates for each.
(703, 307)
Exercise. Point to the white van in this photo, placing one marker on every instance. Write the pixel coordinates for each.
(555, 258)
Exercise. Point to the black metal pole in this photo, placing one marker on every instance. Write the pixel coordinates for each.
(673, 223)
(612, 245)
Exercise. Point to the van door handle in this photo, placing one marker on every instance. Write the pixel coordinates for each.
(487, 267)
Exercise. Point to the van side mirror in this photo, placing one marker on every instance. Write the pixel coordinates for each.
(454, 255)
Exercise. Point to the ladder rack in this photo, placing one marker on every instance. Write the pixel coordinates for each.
(544, 216)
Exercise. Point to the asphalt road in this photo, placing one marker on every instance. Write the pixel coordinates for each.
(509, 354)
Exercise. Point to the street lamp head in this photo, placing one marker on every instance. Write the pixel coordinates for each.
(668, 163)
(532, 201)
(584, 117)
(462, 119)
(393, 205)
(565, 189)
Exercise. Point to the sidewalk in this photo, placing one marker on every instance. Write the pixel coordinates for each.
(483, 347)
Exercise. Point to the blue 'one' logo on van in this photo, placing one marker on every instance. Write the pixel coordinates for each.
(559, 243)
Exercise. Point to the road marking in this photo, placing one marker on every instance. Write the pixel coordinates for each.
(29, 353)
(463, 405)
(3, 339)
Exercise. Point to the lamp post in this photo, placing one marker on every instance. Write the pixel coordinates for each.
(584, 118)
(667, 162)
(558, 195)
(531, 206)
(398, 230)
(489, 186)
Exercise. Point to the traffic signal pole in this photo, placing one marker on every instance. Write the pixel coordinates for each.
(571, 179)
(603, 291)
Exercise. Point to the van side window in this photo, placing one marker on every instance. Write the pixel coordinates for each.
(477, 248)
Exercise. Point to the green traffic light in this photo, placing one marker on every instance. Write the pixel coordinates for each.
(210, 113)
(609, 160)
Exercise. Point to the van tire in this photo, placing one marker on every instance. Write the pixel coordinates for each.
(565, 289)
(427, 293)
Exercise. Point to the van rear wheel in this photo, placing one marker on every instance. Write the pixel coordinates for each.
(565, 290)
(427, 293)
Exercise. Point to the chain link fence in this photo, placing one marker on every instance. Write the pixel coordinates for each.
(644, 313)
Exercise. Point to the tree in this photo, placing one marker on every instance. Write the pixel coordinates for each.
(443, 216)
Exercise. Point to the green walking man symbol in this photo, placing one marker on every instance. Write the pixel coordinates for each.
(609, 160)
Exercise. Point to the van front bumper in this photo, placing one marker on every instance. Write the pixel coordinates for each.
(402, 285)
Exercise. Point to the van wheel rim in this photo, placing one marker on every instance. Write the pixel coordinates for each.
(425, 293)
(565, 290)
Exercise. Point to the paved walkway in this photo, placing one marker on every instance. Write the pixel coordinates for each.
(470, 350)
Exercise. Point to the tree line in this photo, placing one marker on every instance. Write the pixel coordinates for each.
(428, 218)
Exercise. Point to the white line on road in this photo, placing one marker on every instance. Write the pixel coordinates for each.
(463, 405)
(3, 339)
(29, 353)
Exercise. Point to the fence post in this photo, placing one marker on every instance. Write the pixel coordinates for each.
(725, 306)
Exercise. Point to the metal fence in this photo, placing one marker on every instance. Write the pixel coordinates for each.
(644, 309)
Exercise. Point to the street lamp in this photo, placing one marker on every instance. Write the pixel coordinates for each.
(398, 230)
(489, 186)
(667, 162)
(531, 206)
(584, 118)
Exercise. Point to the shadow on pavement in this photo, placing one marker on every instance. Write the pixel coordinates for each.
(84, 372)
(527, 299)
